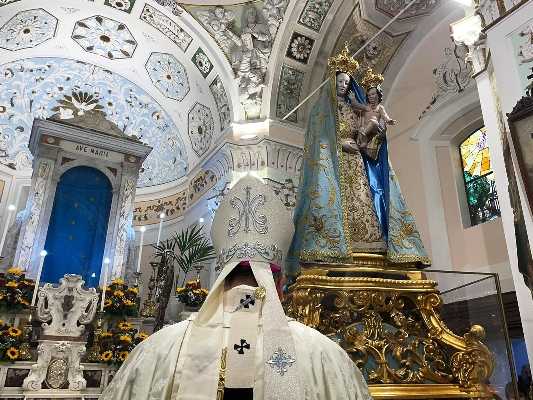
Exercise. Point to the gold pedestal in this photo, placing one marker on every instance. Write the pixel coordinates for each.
(388, 322)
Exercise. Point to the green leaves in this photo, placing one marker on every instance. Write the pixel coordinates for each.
(186, 249)
(194, 248)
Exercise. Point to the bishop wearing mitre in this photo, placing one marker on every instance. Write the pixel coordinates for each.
(241, 345)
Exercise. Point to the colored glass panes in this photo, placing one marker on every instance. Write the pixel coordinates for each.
(479, 179)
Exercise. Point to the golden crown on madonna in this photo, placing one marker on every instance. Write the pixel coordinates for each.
(252, 224)
(371, 79)
(343, 62)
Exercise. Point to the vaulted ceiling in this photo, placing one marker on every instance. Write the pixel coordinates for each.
(177, 75)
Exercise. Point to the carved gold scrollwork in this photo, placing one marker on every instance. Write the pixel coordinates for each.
(392, 330)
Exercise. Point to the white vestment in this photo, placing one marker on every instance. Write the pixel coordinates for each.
(153, 370)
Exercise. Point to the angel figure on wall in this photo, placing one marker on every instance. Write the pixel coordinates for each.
(349, 198)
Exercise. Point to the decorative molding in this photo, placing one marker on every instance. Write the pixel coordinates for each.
(27, 29)
(6, 2)
(122, 5)
(290, 87)
(36, 202)
(166, 26)
(168, 75)
(201, 128)
(300, 47)
(245, 34)
(202, 62)
(221, 99)
(147, 212)
(392, 7)
(451, 77)
(314, 14)
(104, 36)
(125, 219)
(171, 5)
(126, 105)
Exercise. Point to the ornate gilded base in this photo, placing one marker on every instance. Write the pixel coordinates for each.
(388, 322)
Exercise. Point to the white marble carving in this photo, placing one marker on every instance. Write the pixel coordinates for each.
(35, 204)
(221, 99)
(49, 352)
(51, 307)
(201, 128)
(64, 311)
(166, 26)
(248, 48)
(125, 220)
(526, 49)
(168, 75)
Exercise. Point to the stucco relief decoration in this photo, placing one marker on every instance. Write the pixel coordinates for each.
(171, 5)
(105, 37)
(300, 47)
(393, 7)
(221, 99)
(168, 75)
(71, 88)
(201, 128)
(290, 86)
(378, 53)
(27, 29)
(147, 212)
(314, 13)
(166, 26)
(124, 221)
(452, 76)
(6, 2)
(522, 40)
(488, 9)
(122, 5)
(202, 62)
(245, 34)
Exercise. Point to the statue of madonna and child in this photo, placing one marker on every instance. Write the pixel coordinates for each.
(349, 202)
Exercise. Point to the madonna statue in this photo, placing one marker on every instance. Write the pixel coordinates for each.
(349, 198)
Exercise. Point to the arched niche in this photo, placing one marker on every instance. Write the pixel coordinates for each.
(79, 223)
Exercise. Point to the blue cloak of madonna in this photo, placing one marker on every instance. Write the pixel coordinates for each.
(349, 203)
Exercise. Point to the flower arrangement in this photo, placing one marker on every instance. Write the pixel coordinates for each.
(116, 344)
(121, 299)
(15, 290)
(11, 343)
(192, 294)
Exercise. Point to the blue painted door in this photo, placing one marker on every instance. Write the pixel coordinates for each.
(77, 231)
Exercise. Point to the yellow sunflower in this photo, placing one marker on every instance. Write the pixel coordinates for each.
(14, 271)
(12, 284)
(14, 332)
(106, 355)
(12, 353)
(106, 335)
(107, 303)
(118, 281)
(23, 301)
(125, 326)
(1, 322)
(180, 290)
(125, 338)
(123, 355)
(118, 293)
(2, 296)
(133, 290)
(128, 303)
(142, 335)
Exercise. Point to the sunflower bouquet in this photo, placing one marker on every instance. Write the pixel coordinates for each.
(192, 294)
(11, 341)
(121, 300)
(15, 290)
(117, 343)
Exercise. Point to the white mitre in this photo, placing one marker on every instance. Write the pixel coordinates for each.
(184, 361)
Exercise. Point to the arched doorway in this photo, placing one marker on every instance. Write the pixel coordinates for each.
(77, 230)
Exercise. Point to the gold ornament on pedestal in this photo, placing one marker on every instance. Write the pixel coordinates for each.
(359, 279)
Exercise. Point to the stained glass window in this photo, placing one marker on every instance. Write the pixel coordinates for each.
(479, 178)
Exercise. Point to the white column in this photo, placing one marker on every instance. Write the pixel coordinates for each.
(489, 109)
